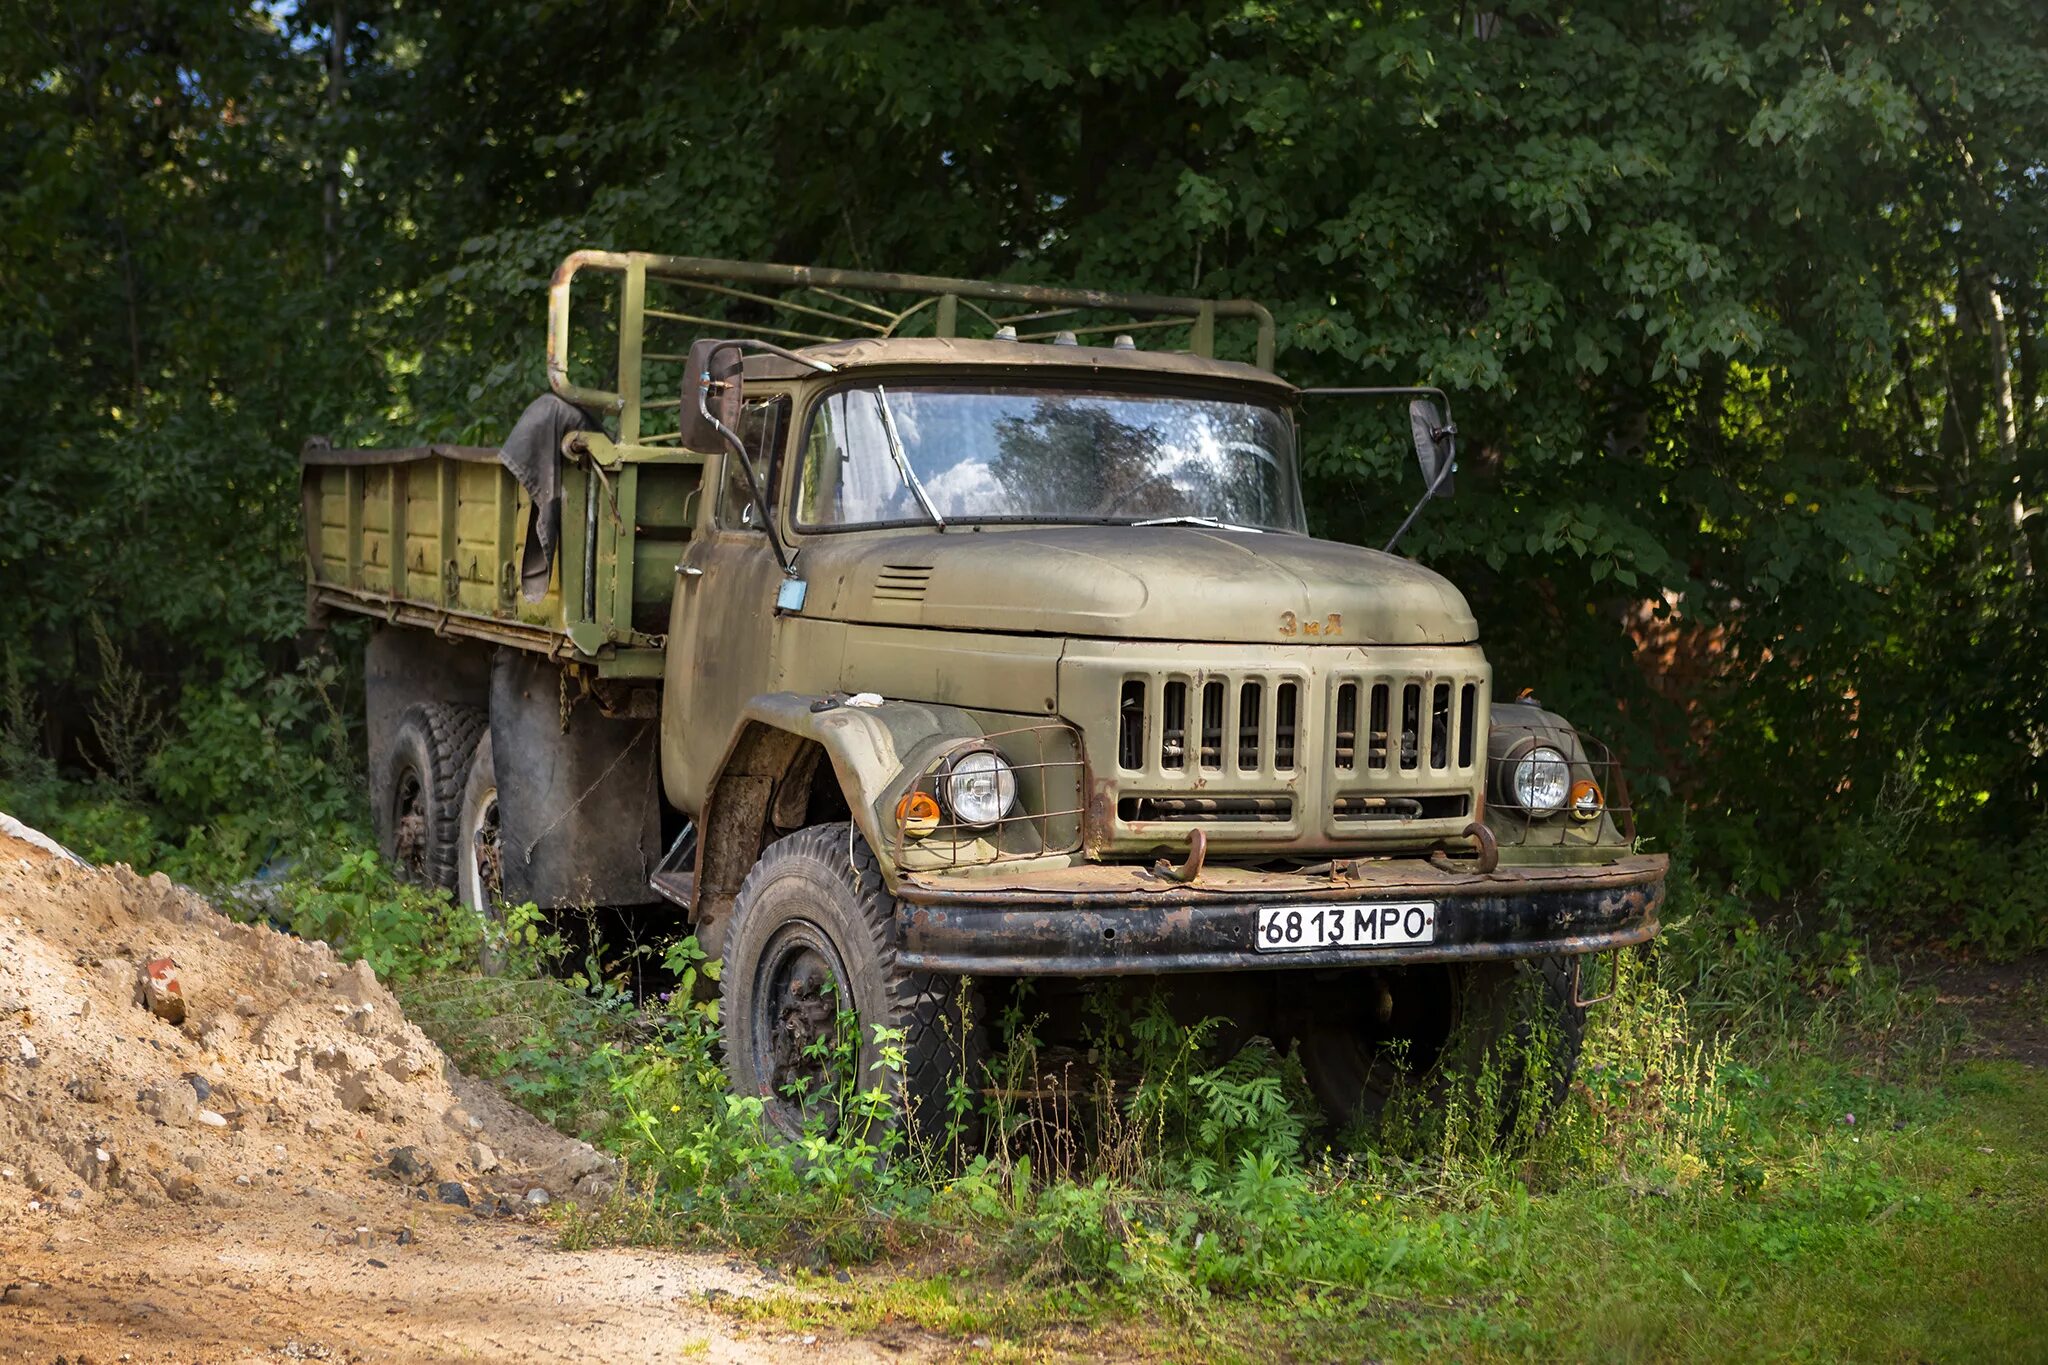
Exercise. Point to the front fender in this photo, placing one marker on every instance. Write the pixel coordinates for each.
(867, 747)
(879, 753)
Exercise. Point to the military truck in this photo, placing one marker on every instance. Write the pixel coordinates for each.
(910, 643)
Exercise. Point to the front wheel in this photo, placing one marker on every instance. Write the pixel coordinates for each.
(811, 972)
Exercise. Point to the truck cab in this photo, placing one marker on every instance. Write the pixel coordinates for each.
(987, 657)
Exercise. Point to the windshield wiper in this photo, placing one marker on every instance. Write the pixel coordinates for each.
(903, 461)
(1210, 522)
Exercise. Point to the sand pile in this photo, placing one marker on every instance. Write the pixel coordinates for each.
(153, 1050)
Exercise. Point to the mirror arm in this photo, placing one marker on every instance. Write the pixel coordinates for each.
(1443, 475)
(1450, 433)
(738, 448)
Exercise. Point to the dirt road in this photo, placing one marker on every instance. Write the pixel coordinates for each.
(264, 1282)
(218, 1143)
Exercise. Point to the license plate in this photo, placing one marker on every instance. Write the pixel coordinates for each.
(1375, 924)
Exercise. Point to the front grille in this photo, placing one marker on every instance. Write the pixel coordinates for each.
(1437, 722)
(1254, 723)
(1340, 748)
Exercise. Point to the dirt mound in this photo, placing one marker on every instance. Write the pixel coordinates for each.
(153, 1050)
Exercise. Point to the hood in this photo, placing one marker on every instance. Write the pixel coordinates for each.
(1133, 582)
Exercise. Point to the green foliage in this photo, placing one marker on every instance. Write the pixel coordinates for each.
(254, 768)
(1741, 307)
(405, 933)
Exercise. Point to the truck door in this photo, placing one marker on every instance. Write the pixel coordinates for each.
(721, 619)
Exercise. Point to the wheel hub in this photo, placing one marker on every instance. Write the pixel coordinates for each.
(486, 847)
(797, 1008)
(409, 830)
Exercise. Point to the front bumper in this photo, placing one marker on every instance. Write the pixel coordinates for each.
(1100, 928)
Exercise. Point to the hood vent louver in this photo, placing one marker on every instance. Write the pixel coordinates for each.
(902, 582)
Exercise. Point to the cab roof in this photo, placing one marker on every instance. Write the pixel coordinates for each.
(1020, 357)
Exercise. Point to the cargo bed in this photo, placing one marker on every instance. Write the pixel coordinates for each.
(432, 536)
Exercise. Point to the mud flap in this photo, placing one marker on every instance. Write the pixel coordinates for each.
(579, 797)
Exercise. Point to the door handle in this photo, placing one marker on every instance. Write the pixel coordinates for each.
(689, 571)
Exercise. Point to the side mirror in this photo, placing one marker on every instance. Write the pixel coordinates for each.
(1435, 446)
(712, 373)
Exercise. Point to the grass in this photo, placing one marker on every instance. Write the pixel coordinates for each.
(1917, 1233)
(1766, 1164)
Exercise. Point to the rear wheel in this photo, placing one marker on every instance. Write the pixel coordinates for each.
(479, 856)
(810, 972)
(418, 795)
(1366, 1037)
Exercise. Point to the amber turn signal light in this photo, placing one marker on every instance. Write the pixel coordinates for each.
(1585, 801)
(917, 814)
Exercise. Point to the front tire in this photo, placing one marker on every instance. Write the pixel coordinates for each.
(813, 937)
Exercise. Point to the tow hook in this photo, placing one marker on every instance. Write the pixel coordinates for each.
(1198, 849)
(1486, 852)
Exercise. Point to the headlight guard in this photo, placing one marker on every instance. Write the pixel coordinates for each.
(1548, 784)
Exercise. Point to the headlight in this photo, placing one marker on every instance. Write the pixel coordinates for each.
(1539, 781)
(978, 788)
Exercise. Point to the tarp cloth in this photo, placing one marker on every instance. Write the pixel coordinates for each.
(533, 452)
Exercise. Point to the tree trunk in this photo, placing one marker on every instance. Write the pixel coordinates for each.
(337, 77)
(2007, 427)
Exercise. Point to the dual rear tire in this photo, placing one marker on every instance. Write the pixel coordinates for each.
(436, 808)
(419, 789)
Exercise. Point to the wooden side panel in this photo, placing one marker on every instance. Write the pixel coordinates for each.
(478, 555)
(436, 541)
(373, 572)
(422, 534)
(331, 534)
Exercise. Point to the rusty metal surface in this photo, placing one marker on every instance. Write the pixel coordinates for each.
(1493, 919)
(1111, 884)
(611, 661)
(319, 453)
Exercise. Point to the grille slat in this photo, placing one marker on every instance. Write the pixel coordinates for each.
(1250, 695)
(1286, 707)
(1440, 726)
(1376, 757)
(1411, 725)
(1344, 738)
(1173, 727)
(1212, 726)
(1130, 726)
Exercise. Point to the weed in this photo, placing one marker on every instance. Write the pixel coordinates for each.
(125, 719)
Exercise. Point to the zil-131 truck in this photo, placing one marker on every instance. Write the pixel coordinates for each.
(912, 643)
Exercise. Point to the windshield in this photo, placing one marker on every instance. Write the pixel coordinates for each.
(882, 454)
